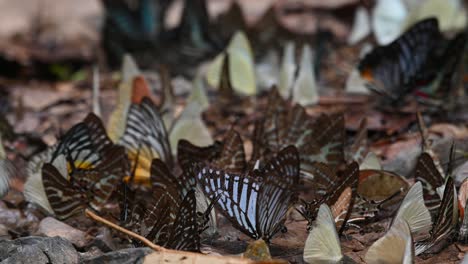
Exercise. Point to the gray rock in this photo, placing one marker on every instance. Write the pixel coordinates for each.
(52, 227)
(124, 256)
(38, 250)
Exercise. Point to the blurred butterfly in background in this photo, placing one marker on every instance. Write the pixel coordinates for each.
(83, 170)
(132, 26)
(420, 61)
(256, 202)
(337, 190)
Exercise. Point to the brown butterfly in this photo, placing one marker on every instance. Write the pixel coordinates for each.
(89, 168)
(337, 190)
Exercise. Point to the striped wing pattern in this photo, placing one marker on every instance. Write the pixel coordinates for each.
(427, 173)
(319, 140)
(446, 219)
(65, 200)
(394, 68)
(255, 203)
(145, 136)
(94, 167)
(85, 143)
(188, 153)
(344, 187)
(232, 156)
(167, 215)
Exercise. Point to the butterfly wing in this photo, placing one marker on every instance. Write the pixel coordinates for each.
(326, 143)
(277, 192)
(85, 143)
(184, 234)
(232, 157)
(391, 69)
(323, 244)
(236, 197)
(445, 221)
(426, 172)
(414, 212)
(66, 200)
(145, 136)
(396, 246)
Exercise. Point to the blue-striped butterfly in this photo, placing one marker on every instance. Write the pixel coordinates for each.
(255, 202)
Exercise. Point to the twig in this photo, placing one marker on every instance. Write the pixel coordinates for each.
(148, 243)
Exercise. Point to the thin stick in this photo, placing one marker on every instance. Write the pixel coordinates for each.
(148, 243)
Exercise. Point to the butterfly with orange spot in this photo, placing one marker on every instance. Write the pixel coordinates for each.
(83, 169)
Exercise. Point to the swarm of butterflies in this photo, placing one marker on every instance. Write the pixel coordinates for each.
(171, 182)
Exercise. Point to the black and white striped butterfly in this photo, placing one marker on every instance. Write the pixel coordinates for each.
(427, 173)
(445, 221)
(145, 136)
(256, 202)
(84, 169)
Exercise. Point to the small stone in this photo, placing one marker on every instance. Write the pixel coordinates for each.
(38, 250)
(124, 256)
(52, 227)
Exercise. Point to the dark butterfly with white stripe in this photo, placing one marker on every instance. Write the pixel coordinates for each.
(427, 173)
(338, 190)
(145, 136)
(255, 202)
(445, 221)
(84, 169)
(317, 140)
(228, 155)
(167, 215)
(391, 70)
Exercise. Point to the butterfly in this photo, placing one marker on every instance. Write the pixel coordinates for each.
(302, 87)
(396, 246)
(228, 155)
(414, 212)
(255, 202)
(427, 173)
(323, 244)
(318, 140)
(83, 170)
(446, 76)
(392, 69)
(167, 215)
(146, 135)
(238, 59)
(7, 171)
(131, 26)
(462, 200)
(336, 190)
(445, 221)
